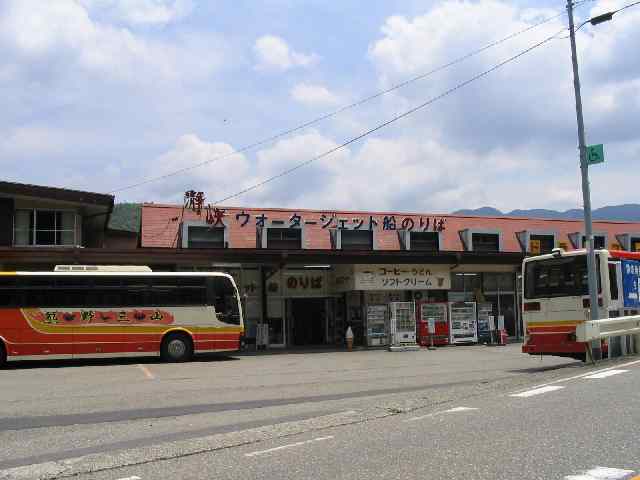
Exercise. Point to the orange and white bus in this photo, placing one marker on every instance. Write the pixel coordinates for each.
(556, 298)
(111, 311)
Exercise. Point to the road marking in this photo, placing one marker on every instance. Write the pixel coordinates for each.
(130, 478)
(435, 414)
(290, 445)
(601, 473)
(582, 375)
(147, 372)
(609, 373)
(537, 391)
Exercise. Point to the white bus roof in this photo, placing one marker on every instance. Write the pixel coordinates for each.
(101, 268)
(147, 273)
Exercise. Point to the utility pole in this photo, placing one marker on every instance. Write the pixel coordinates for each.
(584, 168)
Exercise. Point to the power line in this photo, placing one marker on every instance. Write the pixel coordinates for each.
(600, 18)
(387, 123)
(344, 108)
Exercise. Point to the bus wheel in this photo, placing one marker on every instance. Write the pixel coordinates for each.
(3, 355)
(176, 347)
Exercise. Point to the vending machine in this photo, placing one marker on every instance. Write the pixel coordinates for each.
(485, 329)
(402, 323)
(433, 323)
(463, 321)
(377, 325)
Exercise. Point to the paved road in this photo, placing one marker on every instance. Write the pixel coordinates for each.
(121, 413)
(581, 428)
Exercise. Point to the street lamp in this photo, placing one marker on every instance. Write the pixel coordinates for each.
(584, 166)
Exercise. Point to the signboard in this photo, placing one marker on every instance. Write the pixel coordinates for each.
(402, 277)
(631, 283)
(595, 154)
(304, 283)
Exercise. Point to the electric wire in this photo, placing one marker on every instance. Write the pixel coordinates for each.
(612, 13)
(386, 123)
(343, 109)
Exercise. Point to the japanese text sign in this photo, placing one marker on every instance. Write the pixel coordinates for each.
(631, 283)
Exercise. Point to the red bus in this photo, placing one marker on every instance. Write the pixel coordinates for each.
(111, 311)
(556, 299)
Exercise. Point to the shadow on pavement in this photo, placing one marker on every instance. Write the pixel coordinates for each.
(75, 363)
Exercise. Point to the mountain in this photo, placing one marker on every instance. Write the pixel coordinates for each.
(628, 212)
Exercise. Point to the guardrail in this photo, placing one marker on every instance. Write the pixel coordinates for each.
(607, 327)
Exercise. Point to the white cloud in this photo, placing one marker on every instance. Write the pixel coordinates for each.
(33, 140)
(141, 12)
(273, 53)
(313, 95)
(61, 36)
(224, 168)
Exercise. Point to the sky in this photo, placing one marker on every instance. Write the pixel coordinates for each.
(100, 95)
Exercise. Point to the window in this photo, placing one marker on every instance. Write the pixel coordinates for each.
(498, 282)
(599, 242)
(284, 238)
(485, 242)
(205, 237)
(634, 244)
(558, 277)
(104, 291)
(465, 282)
(356, 239)
(424, 241)
(222, 295)
(44, 228)
(541, 244)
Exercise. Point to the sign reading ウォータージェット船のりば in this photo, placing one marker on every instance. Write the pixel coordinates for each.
(215, 216)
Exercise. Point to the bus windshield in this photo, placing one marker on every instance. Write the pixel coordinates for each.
(558, 277)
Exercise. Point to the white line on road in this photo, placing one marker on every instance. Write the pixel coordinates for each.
(147, 372)
(130, 478)
(435, 414)
(290, 445)
(601, 473)
(582, 375)
(537, 391)
(609, 373)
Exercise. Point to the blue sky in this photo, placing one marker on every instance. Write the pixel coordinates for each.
(101, 94)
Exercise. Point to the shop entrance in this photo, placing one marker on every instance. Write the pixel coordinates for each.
(307, 321)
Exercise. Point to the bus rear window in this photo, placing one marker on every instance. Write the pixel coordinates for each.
(558, 277)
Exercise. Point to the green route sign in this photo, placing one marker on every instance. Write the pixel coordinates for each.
(595, 154)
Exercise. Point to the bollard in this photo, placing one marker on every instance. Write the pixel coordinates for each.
(349, 338)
